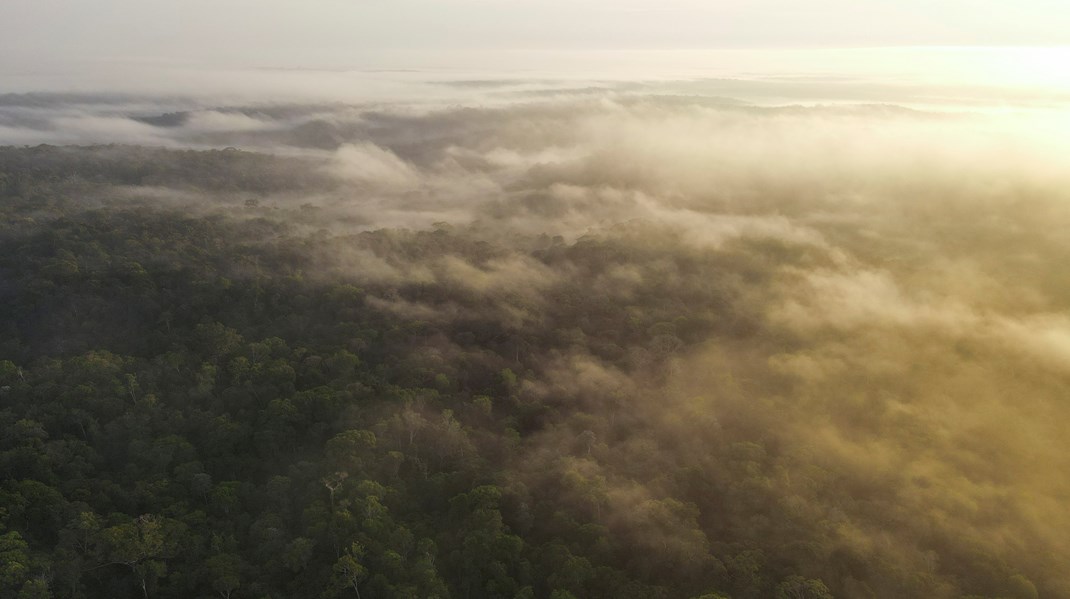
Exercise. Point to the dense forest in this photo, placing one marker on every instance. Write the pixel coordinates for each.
(449, 354)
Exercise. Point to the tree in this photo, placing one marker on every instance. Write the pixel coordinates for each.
(1022, 588)
(349, 570)
(140, 545)
(15, 567)
(797, 587)
(349, 451)
(224, 570)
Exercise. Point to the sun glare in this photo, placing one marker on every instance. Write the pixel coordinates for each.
(1047, 68)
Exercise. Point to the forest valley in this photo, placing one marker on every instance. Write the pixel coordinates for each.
(537, 350)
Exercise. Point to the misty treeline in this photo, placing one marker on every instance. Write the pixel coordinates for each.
(620, 347)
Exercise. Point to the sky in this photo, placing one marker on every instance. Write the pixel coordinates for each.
(254, 46)
(340, 33)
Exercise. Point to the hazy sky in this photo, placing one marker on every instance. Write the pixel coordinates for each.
(38, 33)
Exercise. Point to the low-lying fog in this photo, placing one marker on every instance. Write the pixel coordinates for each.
(882, 282)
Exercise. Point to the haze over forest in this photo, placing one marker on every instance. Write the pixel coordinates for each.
(550, 322)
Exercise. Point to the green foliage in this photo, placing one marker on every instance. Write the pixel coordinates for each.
(1020, 587)
(15, 566)
(224, 570)
(798, 587)
(349, 572)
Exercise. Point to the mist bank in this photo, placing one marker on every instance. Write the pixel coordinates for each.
(703, 345)
(989, 76)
